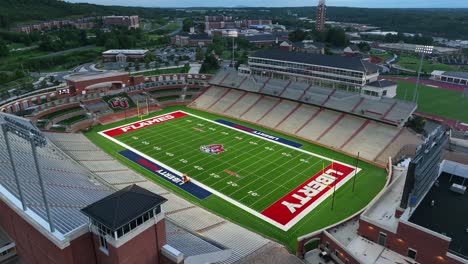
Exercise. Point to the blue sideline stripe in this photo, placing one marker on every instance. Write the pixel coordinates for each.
(166, 174)
(260, 133)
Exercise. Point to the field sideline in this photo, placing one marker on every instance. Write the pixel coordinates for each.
(239, 183)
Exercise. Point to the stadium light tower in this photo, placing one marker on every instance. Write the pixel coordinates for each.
(423, 50)
(27, 132)
(233, 34)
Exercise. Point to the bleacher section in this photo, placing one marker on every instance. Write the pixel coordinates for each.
(337, 130)
(391, 111)
(259, 109)
(278, 113)
(69, 185)
(241, 241)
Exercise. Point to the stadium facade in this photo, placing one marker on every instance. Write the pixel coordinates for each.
(345, 73)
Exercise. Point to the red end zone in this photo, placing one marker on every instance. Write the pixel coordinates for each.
(307, 194)
(142, 124)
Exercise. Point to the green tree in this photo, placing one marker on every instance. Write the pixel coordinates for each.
(112, 43)
(4, 50)
(297, 35)
(364, 47)
(200, 54)
(187, 24)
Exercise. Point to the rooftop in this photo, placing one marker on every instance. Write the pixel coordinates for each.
(382, 83)
(463, 75)
(339, 62)
(86, 76)
(447, 205)
(123, 206)
(125, 51)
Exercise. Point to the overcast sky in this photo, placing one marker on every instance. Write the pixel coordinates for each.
(276, 3)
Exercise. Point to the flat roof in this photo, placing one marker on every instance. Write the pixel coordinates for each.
(382, 83)
(447, 205)
(125, 51)
(339, 62)
(86, 76)
(462, 75)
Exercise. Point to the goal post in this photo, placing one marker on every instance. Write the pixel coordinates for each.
(142, 107)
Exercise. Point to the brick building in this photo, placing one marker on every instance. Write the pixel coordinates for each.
(183, 40)
(123, 21)
(227, 22)
(85, 83)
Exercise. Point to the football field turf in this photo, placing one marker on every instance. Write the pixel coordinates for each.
(254, 170)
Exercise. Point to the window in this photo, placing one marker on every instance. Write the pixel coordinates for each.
(103, 243)
(412, 253)
(337, 253)
(382, 239)
(327, 245)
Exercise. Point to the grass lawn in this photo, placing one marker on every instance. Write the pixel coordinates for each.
(266, 170)
(16, 46)
(441, 102)
(412, 63)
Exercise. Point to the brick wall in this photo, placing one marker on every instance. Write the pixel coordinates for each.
(430, 248)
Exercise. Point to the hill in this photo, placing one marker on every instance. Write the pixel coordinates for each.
(24, 11)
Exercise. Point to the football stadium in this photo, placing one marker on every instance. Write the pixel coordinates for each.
(223, 168)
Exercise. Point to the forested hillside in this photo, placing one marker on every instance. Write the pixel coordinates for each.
(13, 12)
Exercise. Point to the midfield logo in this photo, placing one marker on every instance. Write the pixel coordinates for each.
(212, 149)
(119, 102)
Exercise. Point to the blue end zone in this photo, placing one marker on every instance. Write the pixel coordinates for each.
(260, 133)
(166, 174)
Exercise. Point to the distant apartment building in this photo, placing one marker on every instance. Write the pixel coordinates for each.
(184, 40)
(321, 16)
(227, 22)
(124, 21)
(120, 55)
(82, 23)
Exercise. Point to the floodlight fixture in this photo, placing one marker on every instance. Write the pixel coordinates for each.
(423, 50)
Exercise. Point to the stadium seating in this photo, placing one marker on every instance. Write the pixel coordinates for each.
(371, 140)
(391, 111)
(241, 106)
(65, 180)
(318, 125)
(277, 114)
(209, 96)
(242, 242)
(230, 98)
(297, 119)
(259, 109)
(337, 130)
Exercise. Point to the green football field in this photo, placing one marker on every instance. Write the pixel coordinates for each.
(251, 170)
(248, 175)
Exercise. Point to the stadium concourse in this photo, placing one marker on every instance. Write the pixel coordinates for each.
(334, 118)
